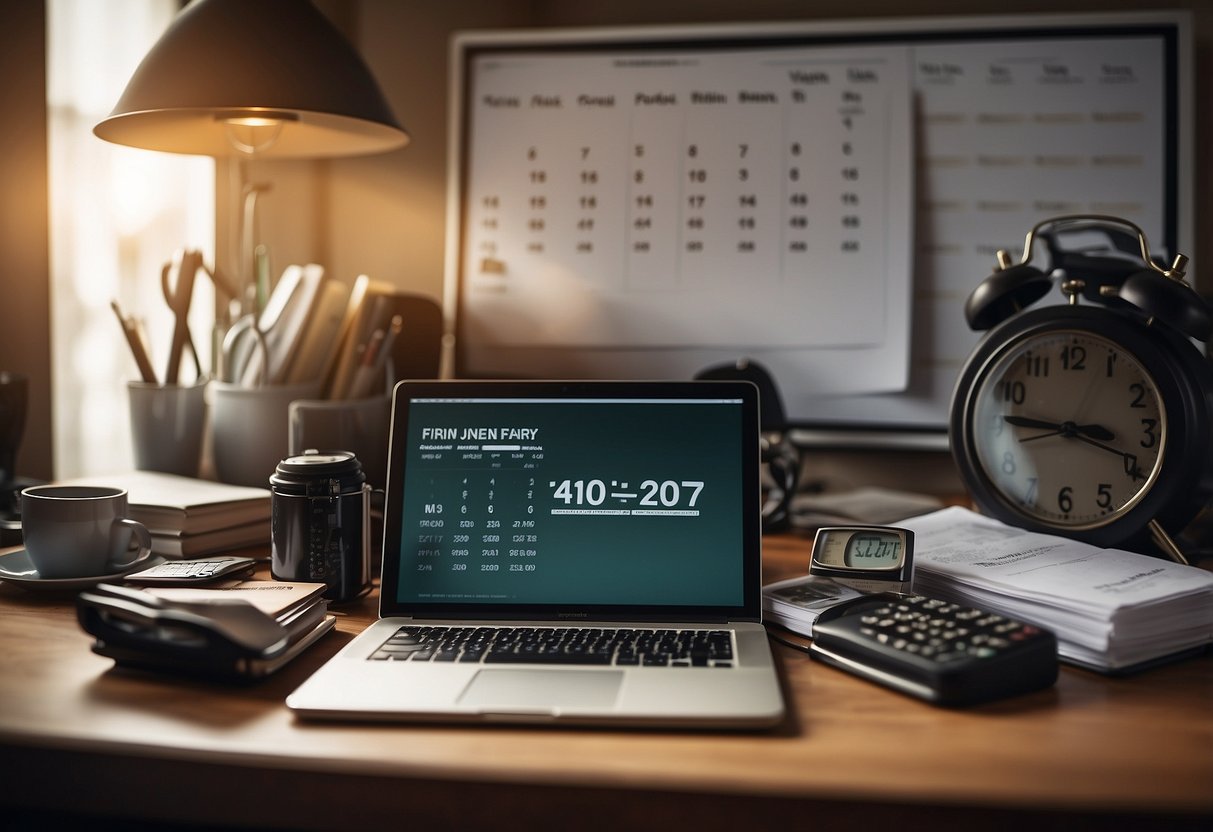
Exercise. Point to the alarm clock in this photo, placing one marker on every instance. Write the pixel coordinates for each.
(1093, 421)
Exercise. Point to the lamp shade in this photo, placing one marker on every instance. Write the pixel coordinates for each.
(227, 68)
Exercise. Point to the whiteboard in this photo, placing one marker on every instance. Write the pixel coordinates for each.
(618, 210)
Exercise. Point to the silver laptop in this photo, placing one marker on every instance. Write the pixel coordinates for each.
(585, 552)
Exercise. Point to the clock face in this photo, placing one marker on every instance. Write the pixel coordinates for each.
(1068, 428)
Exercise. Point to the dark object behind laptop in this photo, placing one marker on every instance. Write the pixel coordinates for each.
(779, 455)
(321, 523)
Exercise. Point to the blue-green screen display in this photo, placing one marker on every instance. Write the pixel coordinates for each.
(571, 501)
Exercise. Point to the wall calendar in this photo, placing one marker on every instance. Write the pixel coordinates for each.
(821, 198)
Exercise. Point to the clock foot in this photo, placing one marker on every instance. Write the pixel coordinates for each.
(1163, 541)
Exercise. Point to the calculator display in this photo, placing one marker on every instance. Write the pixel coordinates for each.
(856, 549)
(866, 558)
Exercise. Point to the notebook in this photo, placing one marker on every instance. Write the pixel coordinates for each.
(584, 552)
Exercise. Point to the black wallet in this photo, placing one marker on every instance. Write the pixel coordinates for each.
(229, 640)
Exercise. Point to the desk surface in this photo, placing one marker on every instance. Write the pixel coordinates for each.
(1113, 749)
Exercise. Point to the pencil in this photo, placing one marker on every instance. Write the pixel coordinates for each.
(135, 342)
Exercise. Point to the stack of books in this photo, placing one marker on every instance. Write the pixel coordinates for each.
(191, 517)
(318, 329)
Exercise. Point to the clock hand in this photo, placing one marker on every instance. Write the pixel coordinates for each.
(1131, 467)
(1027, 422)
(1067, 429)
(1094, 431)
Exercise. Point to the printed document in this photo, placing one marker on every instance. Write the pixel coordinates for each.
(1111, 610)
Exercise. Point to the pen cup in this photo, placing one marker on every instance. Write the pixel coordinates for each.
(249, 429)
(356, 425)
(166, 426)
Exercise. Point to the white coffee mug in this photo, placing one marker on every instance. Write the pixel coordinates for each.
(73, 531)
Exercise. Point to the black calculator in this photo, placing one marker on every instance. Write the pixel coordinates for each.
(945, 653)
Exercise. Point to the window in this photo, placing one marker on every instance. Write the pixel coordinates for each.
(117, 216)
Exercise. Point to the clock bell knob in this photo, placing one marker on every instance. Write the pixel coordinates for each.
(1169, 299)
(1008, 290)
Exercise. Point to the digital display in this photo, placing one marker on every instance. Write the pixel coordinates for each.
(859, 549)
(573, 501)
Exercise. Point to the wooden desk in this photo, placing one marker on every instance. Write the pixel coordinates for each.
(78, 736)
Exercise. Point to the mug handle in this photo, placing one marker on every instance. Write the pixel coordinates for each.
(145, 542)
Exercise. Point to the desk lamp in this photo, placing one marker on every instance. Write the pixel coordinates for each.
(253, 79)
(270, 78)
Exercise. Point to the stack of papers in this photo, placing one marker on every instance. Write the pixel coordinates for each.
(190, 517)
(1111, 610)
(796, 602)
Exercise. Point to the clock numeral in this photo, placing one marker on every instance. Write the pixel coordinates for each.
(1111, 369)
(1065, 499)
(1036, 365)
(1140, 399)
(1029, 499)
(1104, 500)
(1008, 463)
(1012, 391)
(1148, 427)
(1073, 357)
(1132, 468)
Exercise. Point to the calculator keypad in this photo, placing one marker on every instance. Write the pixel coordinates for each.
(943, 652)
(943, 631)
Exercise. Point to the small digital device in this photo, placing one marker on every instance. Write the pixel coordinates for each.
(200, 571)
(944, 653)
(866, 558)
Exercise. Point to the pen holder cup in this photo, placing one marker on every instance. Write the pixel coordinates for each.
(249, 429)
(166, 426)
(357, 425)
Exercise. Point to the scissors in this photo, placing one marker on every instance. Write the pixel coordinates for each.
(185, 264)
(237, 356)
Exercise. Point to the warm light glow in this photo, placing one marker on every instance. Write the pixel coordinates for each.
(254, 133)
(254, 121)
(117, 216)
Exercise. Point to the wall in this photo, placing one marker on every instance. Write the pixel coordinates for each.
(386, 213)
(25, 266)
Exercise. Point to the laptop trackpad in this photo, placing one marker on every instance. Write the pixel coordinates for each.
(543, 689)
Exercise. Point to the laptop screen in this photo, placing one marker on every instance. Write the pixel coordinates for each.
(571, 500)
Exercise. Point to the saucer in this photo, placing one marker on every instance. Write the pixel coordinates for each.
(16, 568)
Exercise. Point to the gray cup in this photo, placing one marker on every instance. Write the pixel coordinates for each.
(166, 426)
(74, 531)
(356, 425)
(249, 429)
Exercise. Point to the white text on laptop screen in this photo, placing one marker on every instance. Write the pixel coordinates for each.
(573, 501)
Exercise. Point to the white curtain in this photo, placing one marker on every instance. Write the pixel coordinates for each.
(117, 216)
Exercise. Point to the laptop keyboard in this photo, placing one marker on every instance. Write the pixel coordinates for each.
(559, 645)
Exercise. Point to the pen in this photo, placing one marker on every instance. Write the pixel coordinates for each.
(364, 376)
(135, 341)
(385, 349)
